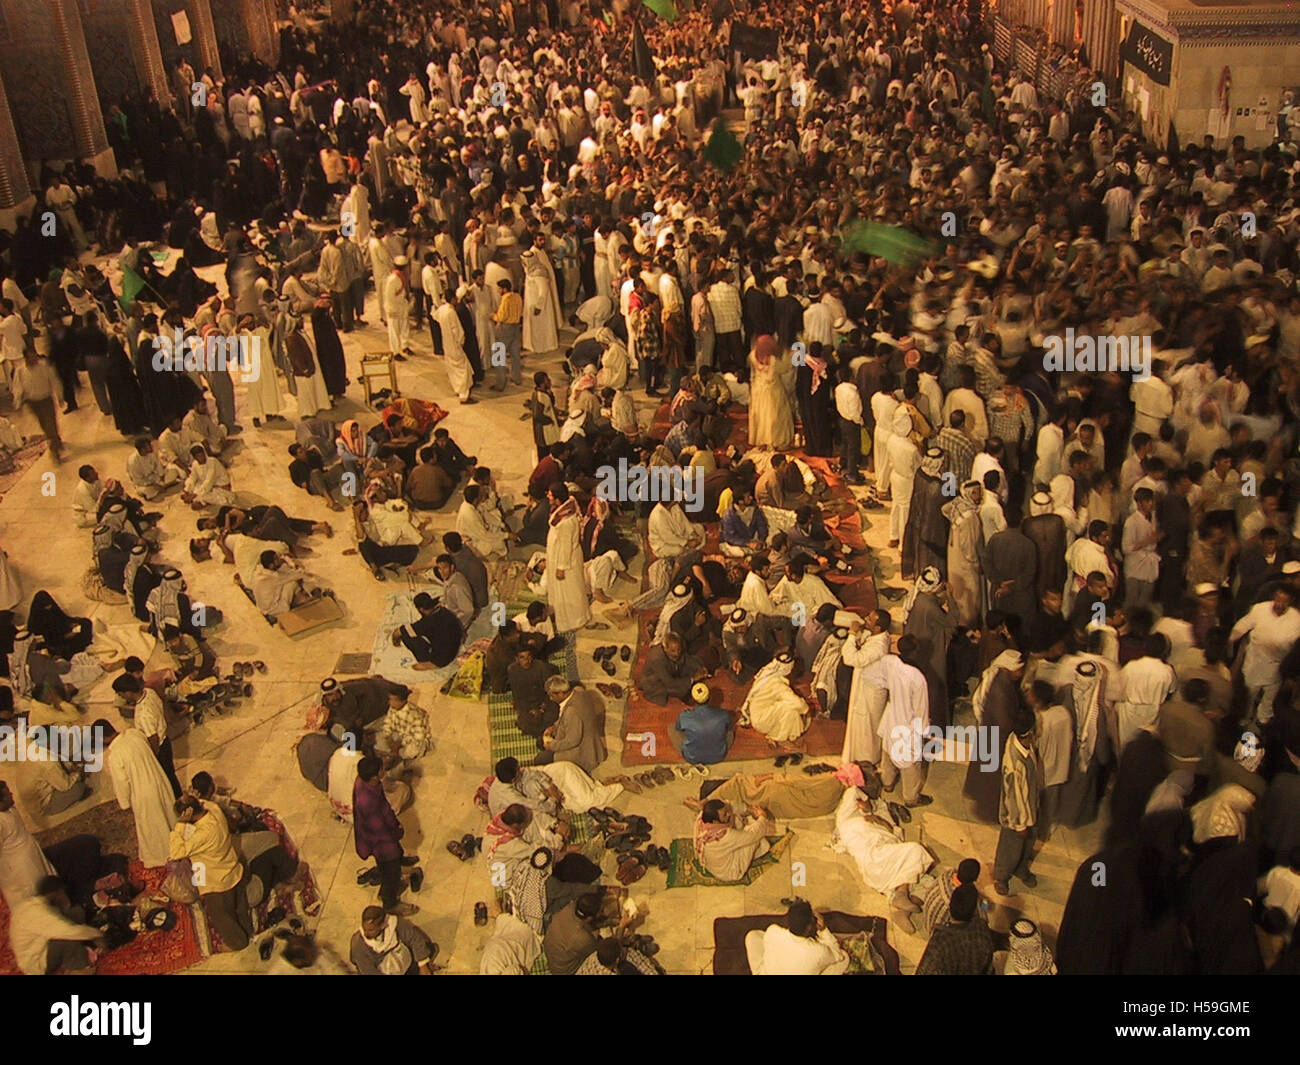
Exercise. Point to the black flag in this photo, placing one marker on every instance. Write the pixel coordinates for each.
(642, 61)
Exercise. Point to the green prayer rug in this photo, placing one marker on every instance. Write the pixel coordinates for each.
(687, 872)
(504, 737)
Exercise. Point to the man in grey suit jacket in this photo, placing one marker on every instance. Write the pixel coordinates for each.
(579, 734)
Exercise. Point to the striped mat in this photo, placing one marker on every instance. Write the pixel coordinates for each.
(505, 739)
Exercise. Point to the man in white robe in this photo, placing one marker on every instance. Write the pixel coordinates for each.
(487, 542)
(807, 589)
(1087, 555)
(140, 786)
(542, 308)
(728, 845)
(208, 483)
(396, 301)
(902, 726)
(22, 862)
(904, 460)
(865, 647)
(148, 473)
(1274, 627)
(772, 707)
(265, 391)
(566, 582)
(865, 829)
(459, 372)
(381, 266)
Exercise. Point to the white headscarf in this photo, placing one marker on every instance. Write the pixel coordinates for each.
(1087, 711)
(929, 581)
(394, 956)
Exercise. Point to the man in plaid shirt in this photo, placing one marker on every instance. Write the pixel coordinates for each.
(1011, 420)
(378, 835)
(953, 442)
(405, 729)
(611, 958)
(724, 302)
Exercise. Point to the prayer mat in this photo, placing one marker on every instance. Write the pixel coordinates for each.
(148, 952)
(687, 872)
(395, 663)
(855, 589)
(353, 663)
(504, 738)
(643, 719)
(871, 953)
(14, 464)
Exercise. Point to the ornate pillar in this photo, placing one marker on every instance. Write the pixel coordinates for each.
(205, 36)
(15, 193)
(146, 51)
(79, 83)
(263, 40)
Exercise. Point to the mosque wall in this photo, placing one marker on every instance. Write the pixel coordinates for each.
(1233, 88)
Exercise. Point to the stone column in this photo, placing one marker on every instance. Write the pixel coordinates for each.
(146, 51)
(205, 36)
(16, 197)
(1060, 27)
(79, 82)
(263, 40)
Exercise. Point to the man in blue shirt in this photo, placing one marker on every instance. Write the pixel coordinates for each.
(703, 734)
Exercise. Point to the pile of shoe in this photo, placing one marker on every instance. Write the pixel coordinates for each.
(466, 847)
(614, 691)
(605, 656)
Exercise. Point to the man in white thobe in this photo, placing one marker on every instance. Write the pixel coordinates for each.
(902, 725)
(865, 647)
(542, 308)
(904, 460)
(1146, 682)
(1274, 627)
(22, 862)
(397, 308)
(141, 786)
(459, 372)
(208, 482)
(566, 582)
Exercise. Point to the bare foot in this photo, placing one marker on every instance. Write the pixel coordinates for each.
(423, 666)
(693, 804)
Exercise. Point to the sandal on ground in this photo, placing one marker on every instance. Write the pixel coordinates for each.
(457, 848)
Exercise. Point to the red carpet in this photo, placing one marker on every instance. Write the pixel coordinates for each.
(192, 939)
(147, 953)
(855, 590)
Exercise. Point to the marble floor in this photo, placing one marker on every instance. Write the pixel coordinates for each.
(249, 749)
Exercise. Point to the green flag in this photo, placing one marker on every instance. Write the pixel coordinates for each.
(132, 283)
(723, 150)
(894, 243)
(665, 9)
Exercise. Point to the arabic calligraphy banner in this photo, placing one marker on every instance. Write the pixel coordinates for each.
(1149, 52)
